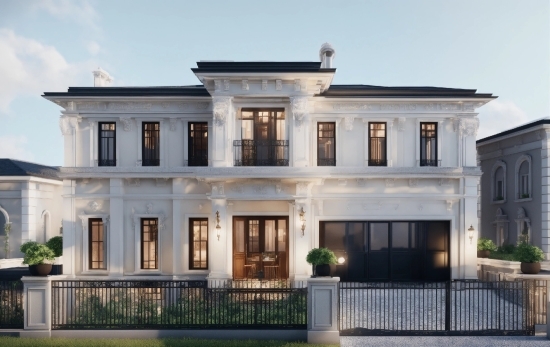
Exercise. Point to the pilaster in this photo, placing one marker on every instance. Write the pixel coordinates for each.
(218, 248)
(69, 228)
(28, 211)
(222, 113)
(301, 124)
(116, 227)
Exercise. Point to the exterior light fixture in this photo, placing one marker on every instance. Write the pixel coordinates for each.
(471, 233)
(303, 220)
(341, 260)
(218, 227)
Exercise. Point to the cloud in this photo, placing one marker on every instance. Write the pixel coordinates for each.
(80, 11)
(13, 146)
(28, 67)
(499, 115)
(93, 47)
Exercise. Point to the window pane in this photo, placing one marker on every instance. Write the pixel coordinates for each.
(335, 236)
(198, 144)
(149, 243)
(151, 144)
(378, 236)
(107, 143)
(96, 244)
(326, 144)
(281, 235)
(400, 235)
(199, 243)
(254, 236)
(239, 236)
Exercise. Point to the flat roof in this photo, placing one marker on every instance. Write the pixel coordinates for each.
(259, 66)
(362, 90)
(12, 167)
(195, 90)
(516, 129)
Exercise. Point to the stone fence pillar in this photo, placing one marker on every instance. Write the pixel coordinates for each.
(37, 297)
(322, 310)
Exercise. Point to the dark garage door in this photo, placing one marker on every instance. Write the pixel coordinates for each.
(389, 251)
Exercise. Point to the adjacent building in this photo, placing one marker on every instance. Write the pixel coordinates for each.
(240, 176)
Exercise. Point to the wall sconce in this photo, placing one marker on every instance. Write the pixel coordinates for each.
(303, 220)
(218, 227)
(471, 233)
(341, 260)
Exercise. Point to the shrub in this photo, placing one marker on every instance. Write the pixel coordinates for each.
(527, 253)
(36, 253)
(320, 256)
(485, 244)
(24, 247)
(56, 245)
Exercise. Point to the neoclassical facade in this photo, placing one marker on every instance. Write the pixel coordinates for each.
(240, 176)
(515, 203)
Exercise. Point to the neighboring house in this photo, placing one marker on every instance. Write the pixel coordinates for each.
(30, 202)
(240, 176)
(515, 201)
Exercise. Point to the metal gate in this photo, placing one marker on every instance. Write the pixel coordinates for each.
(461, 307)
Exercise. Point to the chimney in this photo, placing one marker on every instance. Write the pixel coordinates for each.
(326, 53)
(102, 78)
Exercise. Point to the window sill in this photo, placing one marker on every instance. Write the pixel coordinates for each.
(523, 200)
(145, 272)
(498, 202)
(96, 272)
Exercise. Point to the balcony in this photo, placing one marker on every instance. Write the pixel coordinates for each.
(198, 160)
(261, 152)
(326, 162)
(106, 162)
(429, 162)
(378, 162)
(150, 162)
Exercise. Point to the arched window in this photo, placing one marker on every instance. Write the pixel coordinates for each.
(523, 177)
(498, 184)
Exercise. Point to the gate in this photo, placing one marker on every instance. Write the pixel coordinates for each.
(460, 307)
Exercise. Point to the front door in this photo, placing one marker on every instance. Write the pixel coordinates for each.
(260, 247)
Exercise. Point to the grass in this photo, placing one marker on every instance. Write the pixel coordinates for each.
(168, 342)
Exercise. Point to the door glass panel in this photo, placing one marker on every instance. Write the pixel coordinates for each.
(254, 236)
(281, 235)
(335, 236)
(269, 237)
(400, 235)
(239, 236)
(378, 236)
(413, 235)
(355, 237)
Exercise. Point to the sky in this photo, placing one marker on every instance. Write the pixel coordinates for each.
(494, 46)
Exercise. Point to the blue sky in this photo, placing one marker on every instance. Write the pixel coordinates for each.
(501, 47)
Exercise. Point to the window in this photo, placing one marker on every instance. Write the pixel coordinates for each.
(428, 144)
(263, 133)
(524, 190)
(377, 144)
(107, 144)
(198, 233)
(151, 144)
(523, 180)
(326, 144)
(149, 243)
(499, 190)
(498, 182)
(96, 244)
(198, 144)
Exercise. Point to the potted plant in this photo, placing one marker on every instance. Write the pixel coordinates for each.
(321, 258)
(37, 256)
(484, 247)
(530, 257)
(56, 245)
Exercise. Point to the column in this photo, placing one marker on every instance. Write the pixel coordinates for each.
(116, 228)
(470, 218)
(177, 251)
(222, 107)
(322, 310)
(300, 131)
(37, 306)
(28, 210)
(69, 228)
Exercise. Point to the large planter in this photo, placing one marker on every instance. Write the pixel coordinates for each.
(40, 269)
(483, 254)
(322, 270)
(530, 268)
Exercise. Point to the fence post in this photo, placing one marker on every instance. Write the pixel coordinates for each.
(37, 303)
(322, 310)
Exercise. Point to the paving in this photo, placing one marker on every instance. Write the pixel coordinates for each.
(446, 341)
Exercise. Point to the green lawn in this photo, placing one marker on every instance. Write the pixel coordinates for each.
(56, 342)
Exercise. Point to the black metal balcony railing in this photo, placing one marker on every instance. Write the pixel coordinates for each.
(430, 162)
(106, 162)
(378, 162)
(326, 162)
(150, 162)
(198, 160)
(261, 152)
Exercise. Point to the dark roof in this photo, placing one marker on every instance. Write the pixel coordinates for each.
(516, 129)
(11, 167)
(259, 66)
(361, 90)
(197, 90)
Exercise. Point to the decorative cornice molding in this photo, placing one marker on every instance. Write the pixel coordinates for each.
(226, 85)
(405, 106)
(245, 85)
(278, 85)
(264, 85)
(222, 108)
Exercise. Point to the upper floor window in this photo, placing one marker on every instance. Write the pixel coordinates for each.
(107, 144)
(263, 138)
(198, 144)
(326, 144)
(498, 181)
(150, 155)
(198, 232)
(377, 144)
(428, 144)
(149, 243)
(96, 244)
(523, 177)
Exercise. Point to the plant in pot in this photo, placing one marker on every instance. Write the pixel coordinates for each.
(530, 257)
(321, 258)
(484, 247)
(56, 245)
(38, 257)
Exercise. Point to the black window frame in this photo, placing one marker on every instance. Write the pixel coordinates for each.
(93, 222)
(192, 243)
(143, 243)
(383, 161)
(326, 161)
(194, 158)
(424, 161)
(101, 161)
(150, 156)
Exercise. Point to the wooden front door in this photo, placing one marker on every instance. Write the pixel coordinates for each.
(260, 247)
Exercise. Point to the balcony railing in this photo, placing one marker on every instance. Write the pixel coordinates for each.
(198, 160)
(106, 162)
(429, 162)
(150, 162)
(326, 162)
(378, 162)
(261, 152)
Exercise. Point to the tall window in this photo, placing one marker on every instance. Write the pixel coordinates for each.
(149, 243)
(326, 144)
(198, 144)
(151, 144)
(428, 144)
(522, 177)
(377, 144)
(198, 232)
(107, 144)
(96, 244)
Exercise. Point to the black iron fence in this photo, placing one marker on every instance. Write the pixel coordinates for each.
(178, 305)
(459, 307)
(11, 304)
(261, 152)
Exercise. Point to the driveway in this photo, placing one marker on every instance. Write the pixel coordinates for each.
(446, 341)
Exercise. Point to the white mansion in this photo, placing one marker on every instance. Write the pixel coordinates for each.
(240, 176)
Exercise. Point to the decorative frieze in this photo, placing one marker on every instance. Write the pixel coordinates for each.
(401, 123)
(436, 107)
(469, 126)
(226, 85)
(413, 182)
(132, 182)
(278, 85)
(297, 85)
(348, 123)
(65, 125)
(299, 107)
(218, 189)
(126, 123)
(173, 122)
(390, 182)
(264, 85)
(245, 85)
(222, 107)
